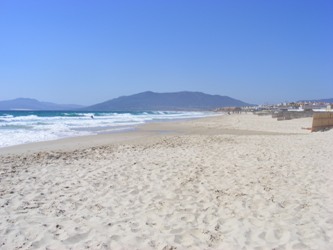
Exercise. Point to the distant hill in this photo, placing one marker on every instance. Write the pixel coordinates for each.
(32, 104)
(150, 101)
(329, 100)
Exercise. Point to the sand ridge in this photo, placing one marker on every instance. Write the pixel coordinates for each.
(197, 187)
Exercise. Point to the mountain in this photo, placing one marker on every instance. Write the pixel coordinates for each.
(150, 101)
(33, 104)
(328, 100)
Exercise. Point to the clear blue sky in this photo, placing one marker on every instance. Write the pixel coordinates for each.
(85, 52)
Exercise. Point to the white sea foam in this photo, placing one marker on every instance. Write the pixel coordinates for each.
(38, 126)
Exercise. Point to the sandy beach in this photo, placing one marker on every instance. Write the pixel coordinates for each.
(225, 182)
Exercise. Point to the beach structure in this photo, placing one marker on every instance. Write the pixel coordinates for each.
(322, 121)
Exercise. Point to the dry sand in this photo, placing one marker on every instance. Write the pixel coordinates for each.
(227, 182)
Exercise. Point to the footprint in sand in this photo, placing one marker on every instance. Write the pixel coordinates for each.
(76, 238)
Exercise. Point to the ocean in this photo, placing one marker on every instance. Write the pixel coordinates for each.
(20, 127)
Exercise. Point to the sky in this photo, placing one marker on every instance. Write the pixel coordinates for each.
(86, 52)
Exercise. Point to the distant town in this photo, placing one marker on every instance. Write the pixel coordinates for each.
(322, 112)
(301, 106)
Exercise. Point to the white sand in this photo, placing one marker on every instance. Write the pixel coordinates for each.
(229, 182)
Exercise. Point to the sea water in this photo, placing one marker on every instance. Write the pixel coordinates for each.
(20, 127)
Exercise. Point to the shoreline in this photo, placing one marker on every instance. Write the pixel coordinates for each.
(150, 129)
(226, 182)
(38, 126)
(114, 136)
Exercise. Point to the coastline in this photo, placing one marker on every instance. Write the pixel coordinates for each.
(238, 181)
(204, 125)
(36, 126)
(132, 134)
